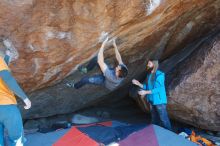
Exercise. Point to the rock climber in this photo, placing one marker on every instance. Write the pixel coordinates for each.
(110, 78)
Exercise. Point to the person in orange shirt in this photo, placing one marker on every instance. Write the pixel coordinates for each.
(10, 116)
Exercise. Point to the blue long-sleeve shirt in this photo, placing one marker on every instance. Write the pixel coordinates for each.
(7, 59)
(11, 82)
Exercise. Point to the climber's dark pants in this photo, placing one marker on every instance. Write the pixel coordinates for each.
(95, 80)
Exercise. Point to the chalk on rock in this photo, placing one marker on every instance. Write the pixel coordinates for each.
(152, 6)
(10, 47)
(103, 36)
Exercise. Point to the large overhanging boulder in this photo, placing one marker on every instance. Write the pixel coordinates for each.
(51, 38)
(194, 93)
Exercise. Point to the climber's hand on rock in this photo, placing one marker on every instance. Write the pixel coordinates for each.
(105, 42)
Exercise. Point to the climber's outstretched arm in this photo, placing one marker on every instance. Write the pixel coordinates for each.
(118, 56)
(101, 61)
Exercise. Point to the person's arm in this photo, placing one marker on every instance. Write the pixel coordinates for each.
(7, 59)
(8, 56)
(136, 82)
(144, 92)
(159, 85)
(117, 54)
(14, 87)
(101, 61)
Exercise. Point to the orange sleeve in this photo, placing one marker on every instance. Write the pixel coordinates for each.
(3, 65)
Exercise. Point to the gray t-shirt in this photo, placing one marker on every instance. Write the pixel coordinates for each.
(111, 81)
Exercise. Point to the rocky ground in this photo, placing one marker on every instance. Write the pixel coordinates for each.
(126, 111)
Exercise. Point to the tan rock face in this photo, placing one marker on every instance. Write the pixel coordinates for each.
(53, 37)
(194, 92)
